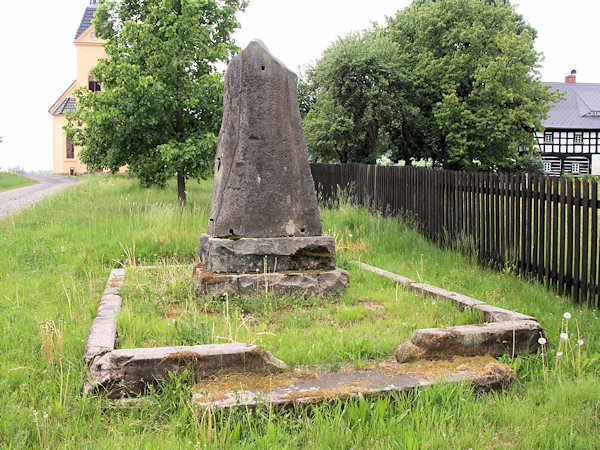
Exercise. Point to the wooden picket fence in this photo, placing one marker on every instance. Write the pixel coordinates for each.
(545, 228)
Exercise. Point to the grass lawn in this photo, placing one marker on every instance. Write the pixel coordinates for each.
(160, 308)
(54, 261)
(14, 180)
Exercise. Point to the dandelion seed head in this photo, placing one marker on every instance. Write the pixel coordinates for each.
(564, 336)
(567, 315)
(559, 354)
(580, 342)
(542, 341)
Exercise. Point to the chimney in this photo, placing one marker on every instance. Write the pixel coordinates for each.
(571, 78)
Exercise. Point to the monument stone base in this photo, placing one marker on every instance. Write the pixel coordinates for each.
(260, 255)
(279, 265)
(278, 283)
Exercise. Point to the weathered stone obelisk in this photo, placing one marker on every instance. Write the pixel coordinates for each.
(264, 230)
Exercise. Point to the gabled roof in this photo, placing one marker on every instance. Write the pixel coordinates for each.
(86, 20)
(579, 110)
(67, 104)
(64, 95)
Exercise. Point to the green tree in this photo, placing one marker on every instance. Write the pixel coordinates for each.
(476, 78)
(358, 92)
(160, 106)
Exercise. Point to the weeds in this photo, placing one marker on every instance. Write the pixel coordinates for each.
(53, 339)
(568, 353)
(532, 413)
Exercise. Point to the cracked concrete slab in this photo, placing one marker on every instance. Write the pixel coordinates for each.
(380, 380)
(493, 339)
(129, 371)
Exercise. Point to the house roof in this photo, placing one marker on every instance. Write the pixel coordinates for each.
(59, 100)
(579, 110)
(67, 104)
(86, 20)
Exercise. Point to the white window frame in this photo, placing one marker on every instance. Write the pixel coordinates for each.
(578, 139)
(548, 138)
(575, 167)
(547, 166)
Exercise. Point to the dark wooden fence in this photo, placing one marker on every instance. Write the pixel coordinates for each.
(546, 228)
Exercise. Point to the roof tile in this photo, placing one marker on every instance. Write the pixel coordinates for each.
(67, 104)
(86, 20)
(580, 100)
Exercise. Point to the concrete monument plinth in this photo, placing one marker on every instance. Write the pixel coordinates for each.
(262, 255)
(264, 230)
(278, 283)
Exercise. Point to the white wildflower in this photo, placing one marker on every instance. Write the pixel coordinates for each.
(564, 336)
(559, 354)
(580, 342)
(542, 341)
(567, 315)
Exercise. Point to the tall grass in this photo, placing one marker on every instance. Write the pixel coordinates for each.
(368, 320)
(54, 261)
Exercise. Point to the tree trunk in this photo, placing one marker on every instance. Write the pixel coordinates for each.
(372, 134)
(181, 194)
(342, 156)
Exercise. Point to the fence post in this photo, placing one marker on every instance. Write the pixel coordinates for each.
(548, 226)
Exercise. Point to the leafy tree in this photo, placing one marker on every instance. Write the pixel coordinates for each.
(306, 94)
(160, 106)
(358, 92)
(476, 76)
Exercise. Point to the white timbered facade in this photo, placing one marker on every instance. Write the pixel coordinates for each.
(570, 142)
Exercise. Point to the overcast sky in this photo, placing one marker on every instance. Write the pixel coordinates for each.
(37, 55)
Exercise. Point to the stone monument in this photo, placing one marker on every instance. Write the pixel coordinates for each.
(264, 230)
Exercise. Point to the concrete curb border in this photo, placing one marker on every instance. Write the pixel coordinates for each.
(504, 331)
(119, 372)
(126, 372)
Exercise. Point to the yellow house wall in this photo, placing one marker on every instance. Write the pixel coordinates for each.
(62, 164)
(88, 53)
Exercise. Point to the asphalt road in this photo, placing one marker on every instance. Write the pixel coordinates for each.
(21, 198)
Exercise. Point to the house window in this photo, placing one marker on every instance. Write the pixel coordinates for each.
(93, 85)
(548, 138)
(547, 167)
(579, 138)
(70, 149)
(575, 167)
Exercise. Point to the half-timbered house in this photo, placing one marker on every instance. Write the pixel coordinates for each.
(570, 142)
